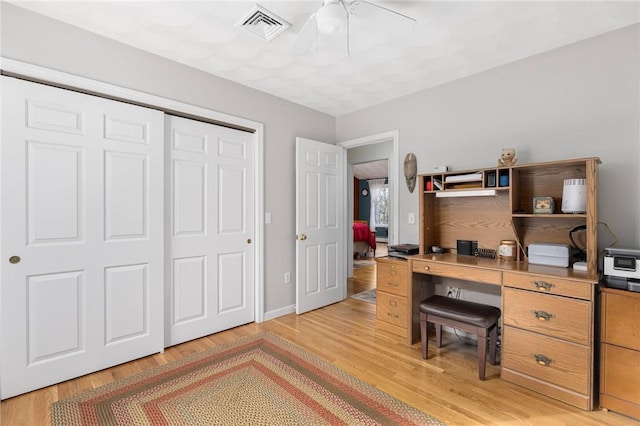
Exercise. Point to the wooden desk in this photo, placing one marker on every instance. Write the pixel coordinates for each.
(547, 316)
(547, 312)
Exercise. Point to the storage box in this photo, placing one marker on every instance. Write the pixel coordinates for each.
(544, 205)
(549, 254)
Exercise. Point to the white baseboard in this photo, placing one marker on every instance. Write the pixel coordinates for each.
(279, 312)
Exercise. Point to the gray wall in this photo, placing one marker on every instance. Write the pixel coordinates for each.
(35, 39)
(577, 101)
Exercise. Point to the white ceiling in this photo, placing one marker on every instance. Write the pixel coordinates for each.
(371, 170)
(451, 40)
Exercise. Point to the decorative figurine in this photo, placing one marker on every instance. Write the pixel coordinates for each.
(507, 157)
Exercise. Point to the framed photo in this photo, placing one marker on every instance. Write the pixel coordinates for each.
(543, 205)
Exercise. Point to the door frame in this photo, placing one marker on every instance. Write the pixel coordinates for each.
(394, 137)
(38, 74)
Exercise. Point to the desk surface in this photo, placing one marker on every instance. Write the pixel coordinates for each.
(451, 259)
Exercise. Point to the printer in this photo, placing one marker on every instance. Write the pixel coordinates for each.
(622, 268)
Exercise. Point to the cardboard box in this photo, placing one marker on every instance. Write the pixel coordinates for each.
(549, 254)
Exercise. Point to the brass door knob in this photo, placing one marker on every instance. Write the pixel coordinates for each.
(14, 259)
(249, 241)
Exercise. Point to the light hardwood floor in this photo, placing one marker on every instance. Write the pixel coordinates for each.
(445, 386)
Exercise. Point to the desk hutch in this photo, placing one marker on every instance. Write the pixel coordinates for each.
(548, 313)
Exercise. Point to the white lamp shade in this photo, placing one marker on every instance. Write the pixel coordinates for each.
(574, 196)
(331, 18)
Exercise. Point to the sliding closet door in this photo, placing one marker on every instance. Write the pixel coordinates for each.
(82, 234)
(210, 243)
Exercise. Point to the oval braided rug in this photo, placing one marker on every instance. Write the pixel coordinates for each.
(258, 380)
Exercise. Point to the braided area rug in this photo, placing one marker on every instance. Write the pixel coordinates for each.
(258, 380)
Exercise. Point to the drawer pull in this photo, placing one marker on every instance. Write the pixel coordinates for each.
(426, 268)
(392, 315)
(542, 359)
(393, 303)
(393, 271)
(542, 315)
(393, 284)
(543, 285)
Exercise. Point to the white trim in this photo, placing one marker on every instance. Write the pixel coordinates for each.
(93, 86)
(394, 137)
(291, 309)
(42, 74)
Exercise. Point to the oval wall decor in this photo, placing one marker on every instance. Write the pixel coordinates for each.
(410, 171)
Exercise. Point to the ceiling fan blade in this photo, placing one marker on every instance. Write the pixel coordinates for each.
(307, 36)
(381, 18)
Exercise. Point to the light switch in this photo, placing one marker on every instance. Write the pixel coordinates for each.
(267, 218)
(412, 218)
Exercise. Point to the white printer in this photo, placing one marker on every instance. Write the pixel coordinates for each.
(622, 268)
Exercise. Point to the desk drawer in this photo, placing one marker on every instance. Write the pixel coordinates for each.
(555, 316)
(550, 285)
(457, 271)
(391, 309)
(393, 277)
(554, 361)
(619, 365)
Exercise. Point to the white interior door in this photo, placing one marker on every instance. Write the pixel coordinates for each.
(210, 251)
(82, 234)
(320, 225)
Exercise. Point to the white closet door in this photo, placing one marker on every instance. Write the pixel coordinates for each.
(210, 244)
(82, 234)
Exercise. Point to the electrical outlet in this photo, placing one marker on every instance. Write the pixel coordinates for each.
(453, 292)
(287, 277)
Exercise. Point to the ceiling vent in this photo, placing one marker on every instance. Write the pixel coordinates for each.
(264, 23)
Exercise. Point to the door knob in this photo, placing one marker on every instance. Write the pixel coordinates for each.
(249, 241)
(301, 237)
(14, 259)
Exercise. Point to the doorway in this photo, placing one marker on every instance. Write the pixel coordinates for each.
(381, 146)
(371, 206)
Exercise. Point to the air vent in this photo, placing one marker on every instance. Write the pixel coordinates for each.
(264, 23)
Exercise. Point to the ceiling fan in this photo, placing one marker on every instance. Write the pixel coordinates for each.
(339, 21)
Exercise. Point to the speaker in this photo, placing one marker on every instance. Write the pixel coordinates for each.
(466, 247)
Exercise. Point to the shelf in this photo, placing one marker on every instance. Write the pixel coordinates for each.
(501, 188)
(471, 192)
(449, 213)
(554, 216)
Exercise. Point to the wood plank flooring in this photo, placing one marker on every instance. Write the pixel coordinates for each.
(445, 386)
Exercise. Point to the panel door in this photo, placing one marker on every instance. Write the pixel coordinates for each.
(320, 230)
(82, 234)
(210, 243)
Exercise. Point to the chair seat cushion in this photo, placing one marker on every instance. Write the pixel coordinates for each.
(461, 310)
